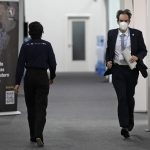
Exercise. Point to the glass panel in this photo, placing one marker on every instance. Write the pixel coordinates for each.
(78, 39)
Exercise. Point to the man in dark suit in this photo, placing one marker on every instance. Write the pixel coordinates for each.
(123, 78)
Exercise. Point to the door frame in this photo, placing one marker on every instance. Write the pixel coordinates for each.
(77, 65)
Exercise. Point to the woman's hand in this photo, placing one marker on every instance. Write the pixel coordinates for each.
(16, 88)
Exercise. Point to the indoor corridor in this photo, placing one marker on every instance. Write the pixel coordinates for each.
(81, 115)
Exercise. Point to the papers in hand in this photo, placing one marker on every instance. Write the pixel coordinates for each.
(127, 55)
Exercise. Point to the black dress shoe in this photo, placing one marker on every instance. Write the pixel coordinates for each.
(33, 139)
(125, 133)
(130, 127)
(39, 142)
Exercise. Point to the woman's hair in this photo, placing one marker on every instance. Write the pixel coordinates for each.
(35, 30)
(126, 11)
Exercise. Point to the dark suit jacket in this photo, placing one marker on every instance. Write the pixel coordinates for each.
(138, 48)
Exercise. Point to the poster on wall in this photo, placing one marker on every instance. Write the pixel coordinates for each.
(9, 36)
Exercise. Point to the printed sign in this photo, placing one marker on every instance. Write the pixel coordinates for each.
(9, 32)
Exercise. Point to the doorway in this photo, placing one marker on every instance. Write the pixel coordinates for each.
(77, 45)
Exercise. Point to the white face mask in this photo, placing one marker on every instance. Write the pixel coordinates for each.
(123, 26)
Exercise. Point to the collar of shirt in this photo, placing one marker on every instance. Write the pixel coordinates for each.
(126, 33)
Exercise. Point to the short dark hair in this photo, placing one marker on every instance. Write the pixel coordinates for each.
(35, 30)
(126, 11)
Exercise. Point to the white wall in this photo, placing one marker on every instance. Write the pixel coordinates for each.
(148, 60)
(139, 21)
(140, 12)
(112, 9)
(52, 14)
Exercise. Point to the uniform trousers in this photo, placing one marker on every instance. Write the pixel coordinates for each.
(36, 89)
(124, 81)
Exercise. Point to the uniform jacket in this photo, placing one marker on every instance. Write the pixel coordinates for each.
(36, 54)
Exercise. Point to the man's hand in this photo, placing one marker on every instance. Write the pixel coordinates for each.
(109, 64)
(51, 81)
(16, 88)
(133, 59)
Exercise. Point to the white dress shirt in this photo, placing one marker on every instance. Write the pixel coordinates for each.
(119, 59)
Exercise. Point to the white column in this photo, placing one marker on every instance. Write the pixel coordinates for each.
(112, 10)
(138, 21)
(148, 60)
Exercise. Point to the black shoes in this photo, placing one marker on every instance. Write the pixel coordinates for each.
(125, 133)
(32, 139)
(39, 142)
(130, 127)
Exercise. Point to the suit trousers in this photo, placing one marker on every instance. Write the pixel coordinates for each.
(36, 89)
(124, 81)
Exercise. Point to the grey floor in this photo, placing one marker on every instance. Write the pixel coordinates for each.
(81, 115)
